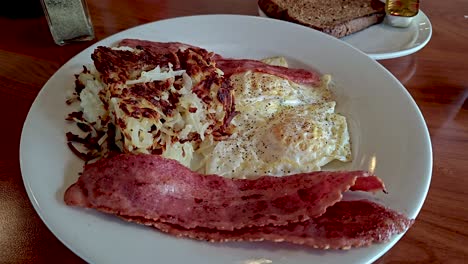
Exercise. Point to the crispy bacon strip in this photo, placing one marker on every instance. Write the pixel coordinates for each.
(159, 189)
(370, 184)
(233, 66)
(344, 225)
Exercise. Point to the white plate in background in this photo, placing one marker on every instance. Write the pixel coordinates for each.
(389, 137)
(382, 41)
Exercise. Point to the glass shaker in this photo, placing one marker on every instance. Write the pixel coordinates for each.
(68, 20)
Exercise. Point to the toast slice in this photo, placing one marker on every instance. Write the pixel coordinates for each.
(338, 18)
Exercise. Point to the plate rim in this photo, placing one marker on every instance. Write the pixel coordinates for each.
(421, 16)
(84, 255)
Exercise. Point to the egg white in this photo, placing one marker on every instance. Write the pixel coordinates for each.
(283, 128)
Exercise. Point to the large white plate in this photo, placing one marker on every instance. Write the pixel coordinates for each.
(382, 41)
(389, 137)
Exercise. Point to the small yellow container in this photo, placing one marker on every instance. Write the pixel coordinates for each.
(401, 12)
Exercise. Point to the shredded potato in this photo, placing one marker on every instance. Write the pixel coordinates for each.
(168, 134)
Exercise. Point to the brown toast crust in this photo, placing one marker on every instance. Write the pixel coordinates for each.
(367, 16)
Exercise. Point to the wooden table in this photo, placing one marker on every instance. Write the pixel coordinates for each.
(437, 77)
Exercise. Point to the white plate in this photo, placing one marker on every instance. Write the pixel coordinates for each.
(388, 132)
(382, 41)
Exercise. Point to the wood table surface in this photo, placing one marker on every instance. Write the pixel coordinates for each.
(436, 77)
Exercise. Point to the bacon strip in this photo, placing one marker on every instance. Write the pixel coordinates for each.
(233, 66)
(159, 189)
(344, 225)
(369, 184)
(228, 66)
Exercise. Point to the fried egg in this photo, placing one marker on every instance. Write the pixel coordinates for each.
(282, 128)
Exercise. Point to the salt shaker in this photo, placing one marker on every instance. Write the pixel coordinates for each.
(68, 20)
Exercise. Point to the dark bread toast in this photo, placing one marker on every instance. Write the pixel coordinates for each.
(338, 18)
